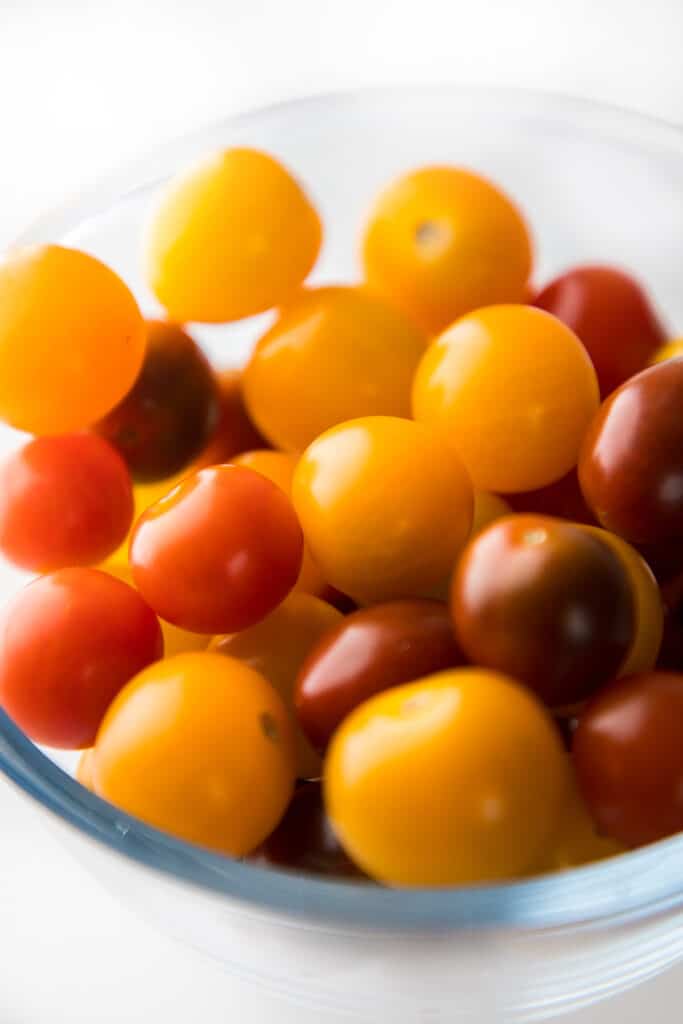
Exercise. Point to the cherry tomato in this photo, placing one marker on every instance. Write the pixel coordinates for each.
(72, 339)
(168, 416)
(452, 779)
(514, 389)
(612, 316)
(234, 432)
(487, 508)
(547, 603)
(219, 552)
(64, 501)
(576, 840)
(370, 651)
(68, 643)
(563, 499)
(335, 354)
(277, 647)
(442, 241)
(631, 466)
(671, 350)
(176, 640)
(232, 236)
(304, 840)
(385, 506)
(629, 757)
(648, 605)
(200, 746)
(279, 467)
(84, 769)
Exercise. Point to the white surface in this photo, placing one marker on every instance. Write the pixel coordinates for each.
(86, 85)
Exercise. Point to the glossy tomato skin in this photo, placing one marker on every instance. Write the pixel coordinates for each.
(386, 507)
(65, 500)
(631, 462)
(68, 643)
(369, 651)
(219, 552)
(611, 314)
(452, 779)
(277, 647)
(234, 432)
(629, 757)
(172, 409)
(563, 499)
(201, 746)
(546, 603)
(305, 841)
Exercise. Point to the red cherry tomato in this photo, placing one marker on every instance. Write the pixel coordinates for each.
(562, 499)
(64, 501)
(629, 757)
(612, 316)
(219, 552)
(68, 643)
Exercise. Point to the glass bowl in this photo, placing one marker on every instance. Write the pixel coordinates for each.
(597, 184)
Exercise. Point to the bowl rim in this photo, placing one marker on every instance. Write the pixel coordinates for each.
(640, 883)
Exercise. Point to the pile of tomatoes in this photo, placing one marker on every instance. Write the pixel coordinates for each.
(403, 599)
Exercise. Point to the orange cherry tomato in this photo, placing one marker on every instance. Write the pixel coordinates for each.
(277, 648)
(487, 508)
(515, 390)
(232, 236)
(200, 746)
(456, 778)
(442, 241)
(219, 552)
(65, 500)
(648, 604)
(385, 506)
(84, 769)
(72, 339)
(68, 643)
(279, 467)
(576, 840)
(333, 355)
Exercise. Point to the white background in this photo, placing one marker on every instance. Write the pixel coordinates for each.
(84, 86)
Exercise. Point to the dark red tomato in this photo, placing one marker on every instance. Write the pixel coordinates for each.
(68, 643)
(235, 433)
(342, 602)
(64, 501)
(631, 463)
(371, 650)
(219, 552)
(545, 602)
(629, 757)
(170, 413)
(567, 725)
(304, 840)
(612, 316)
(563, 499)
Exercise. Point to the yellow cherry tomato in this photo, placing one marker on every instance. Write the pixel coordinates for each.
(514, 389)
(647, 601)
(72, 339)
(176, 640)
(576, 840)
(333, 355)
(455, 778)
(671, 350)
(442, 241)
(200, 746)
(279, 467)
(385, 506)
(276, 647)
(232, 236)
(84, 769)
(487, 508)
